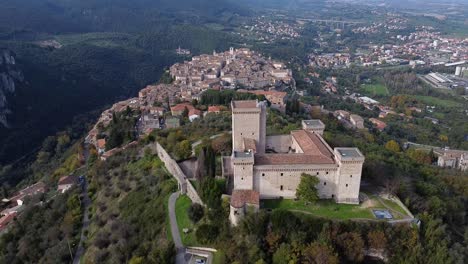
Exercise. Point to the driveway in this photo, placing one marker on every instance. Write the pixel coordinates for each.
(180, 257)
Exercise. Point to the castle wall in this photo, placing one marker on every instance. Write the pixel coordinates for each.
(243, 172)
(349, 180)
(246, 124)
(273, 181)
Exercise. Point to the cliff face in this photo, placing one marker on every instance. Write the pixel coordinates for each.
(10, 75)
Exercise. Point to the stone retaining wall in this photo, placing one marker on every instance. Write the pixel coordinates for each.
(171, 165)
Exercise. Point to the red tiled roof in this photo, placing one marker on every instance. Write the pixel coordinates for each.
(101, 143)
(181, 107)
(214, 108)
(194, 112)
(311, 144)
(292, 158)
(67, 180)
(241, 197)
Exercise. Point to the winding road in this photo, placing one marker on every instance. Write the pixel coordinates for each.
(180, 257)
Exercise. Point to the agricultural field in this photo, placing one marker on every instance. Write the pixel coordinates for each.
(374, 89)
(430, 100)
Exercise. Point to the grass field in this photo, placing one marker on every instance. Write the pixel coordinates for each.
(332, 210)
(183, 221)
(429, 100)
(374, 89)
(394, 206)
(322, 208)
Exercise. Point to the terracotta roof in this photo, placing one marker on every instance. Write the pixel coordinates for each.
(293, 158)
(311, 144)
(245, 104)
(194, 112)
(241, 197)
(68, 180)
(181, 107)
(101, 143)
(214, 108)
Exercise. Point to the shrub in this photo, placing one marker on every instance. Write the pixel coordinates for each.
(207, 233)
(195, 212)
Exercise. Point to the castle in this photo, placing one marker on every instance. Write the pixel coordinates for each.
(270, 167)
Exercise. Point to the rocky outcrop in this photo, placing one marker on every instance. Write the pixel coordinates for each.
(10, 75)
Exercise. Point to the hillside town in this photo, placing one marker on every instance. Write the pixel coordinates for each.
(163, 105)
(234, 68)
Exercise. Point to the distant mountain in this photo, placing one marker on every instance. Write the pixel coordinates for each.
(58, 16)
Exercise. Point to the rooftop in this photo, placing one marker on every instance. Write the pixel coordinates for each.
(241, 197)
(312, 144)
(293, 158)
(244, 104)
(349, 152)
(239, 154)
(313, 123)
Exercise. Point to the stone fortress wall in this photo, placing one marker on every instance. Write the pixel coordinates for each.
(185, 186)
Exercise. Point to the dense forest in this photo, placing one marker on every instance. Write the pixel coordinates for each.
(101, 57)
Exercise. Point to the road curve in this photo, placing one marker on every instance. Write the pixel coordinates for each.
(180, 257)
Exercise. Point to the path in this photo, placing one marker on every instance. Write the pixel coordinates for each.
(180, 257)
(198, 142)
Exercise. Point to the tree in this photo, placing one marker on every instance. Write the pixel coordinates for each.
(283, 254)
(207, 233)
(317, 253)
(195, 212)
(352, 246)
(393, 146)
(377, 240)
(183, 149)
(307, 190)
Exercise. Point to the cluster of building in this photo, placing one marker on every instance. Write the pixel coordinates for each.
(330, 60)
(418, 48)
(234, 68)
(349, 120)
(451, 158)
(14, 205)
(393, 22)
(270, 167)
(446, 81)
(268, 30)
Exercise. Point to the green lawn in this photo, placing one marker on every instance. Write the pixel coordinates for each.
(183, 221)
(375, 89)
(394, 206)
(430, 100)
(322, 208)
(218, 257)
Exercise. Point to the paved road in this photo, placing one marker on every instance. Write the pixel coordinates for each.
(180, 257)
